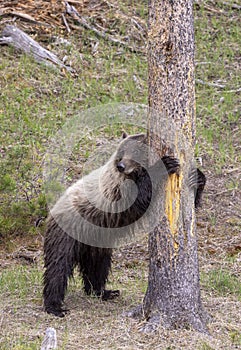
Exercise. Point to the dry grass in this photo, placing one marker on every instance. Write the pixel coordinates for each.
(92, 324)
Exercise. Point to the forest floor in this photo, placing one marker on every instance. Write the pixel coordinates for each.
(36, 101)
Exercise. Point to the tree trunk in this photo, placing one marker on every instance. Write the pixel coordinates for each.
(173, 293)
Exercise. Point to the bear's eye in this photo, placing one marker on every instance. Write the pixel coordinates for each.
(119, 156)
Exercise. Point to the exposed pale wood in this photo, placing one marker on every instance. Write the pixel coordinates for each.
(50, 339)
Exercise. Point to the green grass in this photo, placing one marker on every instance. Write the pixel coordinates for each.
(205, 346)
(23, 283)
(218, 39)
(222, 283)
(19, 343)
(235, 335)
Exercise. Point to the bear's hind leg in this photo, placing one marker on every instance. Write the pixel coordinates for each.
(95, 265)
(60, 259)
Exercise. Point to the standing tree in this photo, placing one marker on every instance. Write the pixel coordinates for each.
(173, 294)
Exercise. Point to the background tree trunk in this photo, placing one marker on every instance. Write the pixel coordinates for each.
(173, 294)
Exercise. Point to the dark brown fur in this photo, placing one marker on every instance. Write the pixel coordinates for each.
(65, 247)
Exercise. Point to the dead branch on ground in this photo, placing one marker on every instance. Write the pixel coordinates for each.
(15, 37)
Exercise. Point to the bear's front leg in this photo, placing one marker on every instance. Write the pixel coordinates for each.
(60, 259)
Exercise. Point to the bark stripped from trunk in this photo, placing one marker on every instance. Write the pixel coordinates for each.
(173, 294)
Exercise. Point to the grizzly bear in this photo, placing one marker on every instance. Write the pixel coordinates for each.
(94, 212)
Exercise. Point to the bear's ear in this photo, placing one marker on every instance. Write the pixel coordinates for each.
(124, 135)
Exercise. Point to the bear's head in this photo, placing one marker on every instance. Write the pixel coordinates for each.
(132, 154)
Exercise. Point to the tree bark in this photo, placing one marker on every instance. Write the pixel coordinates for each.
(173, 293)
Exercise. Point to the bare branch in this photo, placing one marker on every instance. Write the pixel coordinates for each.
(233, 6)
(199, 81)
(66, 23)
(234, 91)
(71, 10)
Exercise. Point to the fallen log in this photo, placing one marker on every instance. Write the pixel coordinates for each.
(11, 35)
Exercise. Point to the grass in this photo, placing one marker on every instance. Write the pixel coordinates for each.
(22, 282)
(37, 101)
(20, 344)
(99, 324)
(205, 346)
(218, 42)
(222, 283)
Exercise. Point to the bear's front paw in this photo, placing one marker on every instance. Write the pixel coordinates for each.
(172, 164)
